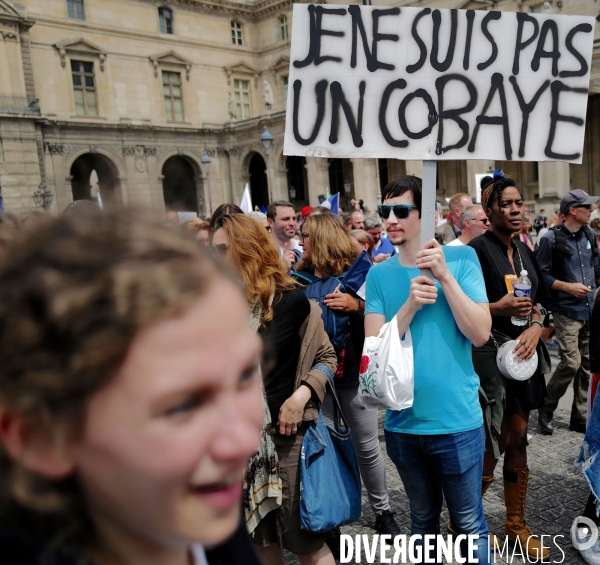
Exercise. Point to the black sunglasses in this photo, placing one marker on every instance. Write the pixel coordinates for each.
(221, 249)
(303, 236)
(586, 206)
(401, 211)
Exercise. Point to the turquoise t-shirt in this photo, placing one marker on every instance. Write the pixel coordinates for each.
(446, 385)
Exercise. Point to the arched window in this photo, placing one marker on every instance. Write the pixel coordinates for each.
(283, 28)
(165, 19)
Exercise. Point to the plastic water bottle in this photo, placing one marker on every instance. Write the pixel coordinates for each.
(522, 290)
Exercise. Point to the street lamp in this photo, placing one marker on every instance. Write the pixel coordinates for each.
(292, 193)
(266, 140)
(43, 197)
(347, 188)
(206, 163)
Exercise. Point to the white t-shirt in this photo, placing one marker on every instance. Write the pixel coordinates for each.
(199, 555)
(295, 245)
(455, 242)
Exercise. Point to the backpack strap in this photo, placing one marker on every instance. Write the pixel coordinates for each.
(560, 246)
(305, 276)
(591, 236)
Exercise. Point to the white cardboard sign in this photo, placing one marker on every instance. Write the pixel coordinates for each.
(417, 83)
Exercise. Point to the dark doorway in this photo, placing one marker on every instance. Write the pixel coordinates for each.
(384, 176)
(179, 186)
(81, 171)
(340, 171)
(296, 176)
(259, 186)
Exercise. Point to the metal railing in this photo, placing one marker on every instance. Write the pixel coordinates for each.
(19, 105)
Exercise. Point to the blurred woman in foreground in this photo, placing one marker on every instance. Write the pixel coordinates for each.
(123, 351)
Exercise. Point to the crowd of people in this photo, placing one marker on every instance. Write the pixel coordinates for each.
(157, 378)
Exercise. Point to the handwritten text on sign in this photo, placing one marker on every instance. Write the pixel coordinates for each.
(416, 83)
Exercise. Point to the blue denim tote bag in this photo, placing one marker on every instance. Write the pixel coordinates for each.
(330, 489)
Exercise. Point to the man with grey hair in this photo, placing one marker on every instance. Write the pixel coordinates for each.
(383, 248)
(473, 223)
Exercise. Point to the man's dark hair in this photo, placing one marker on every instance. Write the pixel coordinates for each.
(272, 209)
(401, 185)
(223, 209)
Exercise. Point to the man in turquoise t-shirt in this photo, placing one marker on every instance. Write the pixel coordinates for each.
(437, 445)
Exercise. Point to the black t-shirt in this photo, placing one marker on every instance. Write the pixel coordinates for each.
(493, 256)
(282, 342)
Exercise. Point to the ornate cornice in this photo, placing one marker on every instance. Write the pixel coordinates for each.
(55, 148)
(251, 11)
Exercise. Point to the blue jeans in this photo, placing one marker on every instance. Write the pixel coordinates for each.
(436, 466)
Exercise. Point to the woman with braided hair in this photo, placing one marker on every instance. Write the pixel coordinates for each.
(507, 403)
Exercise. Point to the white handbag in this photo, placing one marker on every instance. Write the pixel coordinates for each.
(510, 367)
(386, 375)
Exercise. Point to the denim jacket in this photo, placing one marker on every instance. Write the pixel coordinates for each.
(589, 456)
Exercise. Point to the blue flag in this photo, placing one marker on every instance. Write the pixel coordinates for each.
(335, 203)
(263, 209)
(356, 276)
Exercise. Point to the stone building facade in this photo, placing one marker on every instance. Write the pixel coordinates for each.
(139, 90)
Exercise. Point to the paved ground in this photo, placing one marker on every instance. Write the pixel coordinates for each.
(557, 491)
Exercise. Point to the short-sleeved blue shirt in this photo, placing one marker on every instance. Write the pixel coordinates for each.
(385, 247)
(446, 385)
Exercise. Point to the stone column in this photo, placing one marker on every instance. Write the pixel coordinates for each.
(155, 179)
(477, 167)
(62, 183)
(554, 180)
(414, 168)
(365, 181)
(317, 174)
(276, 179)
(132, 197)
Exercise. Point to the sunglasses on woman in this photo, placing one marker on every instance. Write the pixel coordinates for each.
(220, 250)
(401, 211)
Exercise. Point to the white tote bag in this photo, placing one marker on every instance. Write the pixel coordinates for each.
(386, 378)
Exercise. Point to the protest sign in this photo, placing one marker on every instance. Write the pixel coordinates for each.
(417, 83)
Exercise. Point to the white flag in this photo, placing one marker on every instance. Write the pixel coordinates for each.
(246, 204)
